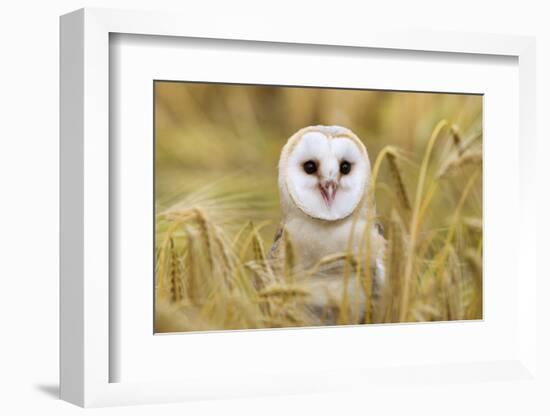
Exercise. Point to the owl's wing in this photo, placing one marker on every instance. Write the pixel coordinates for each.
(273, 253)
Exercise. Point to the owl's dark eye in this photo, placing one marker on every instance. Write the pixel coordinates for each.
(310, 167)
(345, 167)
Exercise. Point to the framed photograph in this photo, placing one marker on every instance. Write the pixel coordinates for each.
(271, 212)
(257, 230)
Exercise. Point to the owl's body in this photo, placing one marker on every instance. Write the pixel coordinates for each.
(324, 174)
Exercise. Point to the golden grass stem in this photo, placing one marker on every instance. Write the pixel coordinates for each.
(414, 226)
(386, 152)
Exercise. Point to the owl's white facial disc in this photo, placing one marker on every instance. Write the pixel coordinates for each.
(326, 175)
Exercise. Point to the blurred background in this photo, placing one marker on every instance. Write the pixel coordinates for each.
(227, 138)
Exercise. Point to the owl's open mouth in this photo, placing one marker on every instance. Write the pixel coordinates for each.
(328, 192)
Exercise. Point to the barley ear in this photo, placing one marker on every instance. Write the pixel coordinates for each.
(175, 280)
(396, 173)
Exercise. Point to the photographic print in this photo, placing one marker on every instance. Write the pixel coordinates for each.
(283, 206)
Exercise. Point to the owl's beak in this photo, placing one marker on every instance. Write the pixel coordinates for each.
(328, 191)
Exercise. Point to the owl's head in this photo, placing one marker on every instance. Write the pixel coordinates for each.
(324, 172)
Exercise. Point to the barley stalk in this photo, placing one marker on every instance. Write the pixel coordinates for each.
(414, 221)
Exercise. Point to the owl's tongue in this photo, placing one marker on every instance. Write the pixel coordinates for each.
(328, 191)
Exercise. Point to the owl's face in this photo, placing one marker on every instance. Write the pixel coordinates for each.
(325, 170)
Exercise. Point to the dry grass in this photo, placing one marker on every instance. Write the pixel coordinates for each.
(213, 270)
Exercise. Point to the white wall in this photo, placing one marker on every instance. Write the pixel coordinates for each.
(29, 58)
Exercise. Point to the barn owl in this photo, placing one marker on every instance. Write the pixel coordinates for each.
(324, 174)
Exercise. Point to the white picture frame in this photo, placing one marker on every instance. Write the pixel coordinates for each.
(86, 353)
